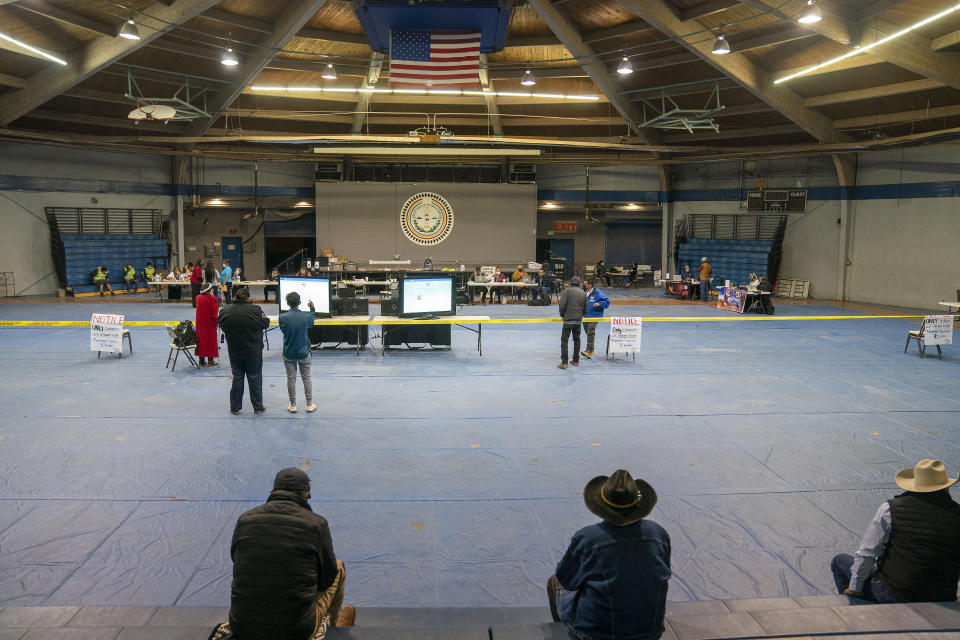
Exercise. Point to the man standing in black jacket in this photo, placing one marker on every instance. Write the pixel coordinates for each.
(573, 306)
(243, 324)
(287, 582)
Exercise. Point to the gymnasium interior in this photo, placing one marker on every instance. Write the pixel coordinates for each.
(618, 141)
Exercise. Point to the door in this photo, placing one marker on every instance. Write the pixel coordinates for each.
(232, 249)
(561, 256)
(630, 241)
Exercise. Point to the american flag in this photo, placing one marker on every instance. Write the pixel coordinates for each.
(435, 58)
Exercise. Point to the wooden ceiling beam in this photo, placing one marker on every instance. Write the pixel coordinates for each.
(856, 62)
(877, 8)
(708, 9)
(12, 81)
(572, 39)
(618, 31)
(315, 66)
(98, 54)
(333, 36)
(288, 24)
(67, 17)
(871, 93)
(837, 23)
(933, 113)
(369, 82)
(735, 65)
(944, 42)
(237, 20)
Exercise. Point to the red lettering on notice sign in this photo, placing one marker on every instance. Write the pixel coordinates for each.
(565, 227)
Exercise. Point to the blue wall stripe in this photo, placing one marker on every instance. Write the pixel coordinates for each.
(942, 189)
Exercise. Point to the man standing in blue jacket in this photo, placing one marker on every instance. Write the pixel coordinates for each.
(597, 301)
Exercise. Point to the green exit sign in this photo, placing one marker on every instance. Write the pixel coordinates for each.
(549, 233)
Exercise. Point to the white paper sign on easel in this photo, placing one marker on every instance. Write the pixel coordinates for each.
(106, 332)
(938, 330)
(625, 335)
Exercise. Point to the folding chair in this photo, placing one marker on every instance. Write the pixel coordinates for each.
(126, 336)
(175, 347)
(918, 335)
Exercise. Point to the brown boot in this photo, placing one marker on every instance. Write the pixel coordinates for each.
(347, 615)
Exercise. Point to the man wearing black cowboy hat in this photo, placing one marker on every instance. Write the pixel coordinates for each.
(612, 581)
(914, 539)
(287, 582)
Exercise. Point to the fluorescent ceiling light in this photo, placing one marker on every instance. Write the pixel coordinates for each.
(721, 46)
(866, 48)
(625, 67)
(528, 79)
(810, 14)
(129, 30)
(417, 149)
(423, 92)
(39, 52)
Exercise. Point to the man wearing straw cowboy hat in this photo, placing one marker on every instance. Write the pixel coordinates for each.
(612, 581)
(914, 538)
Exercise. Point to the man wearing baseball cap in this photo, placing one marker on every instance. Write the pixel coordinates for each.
(287, 582)
(612, 581)
(911, 550)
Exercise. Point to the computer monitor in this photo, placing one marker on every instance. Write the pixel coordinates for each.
(316, 290)
(427, 296)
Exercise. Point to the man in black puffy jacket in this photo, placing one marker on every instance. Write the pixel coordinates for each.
(287, 583)
(243, 324)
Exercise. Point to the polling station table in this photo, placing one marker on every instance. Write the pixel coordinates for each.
(689, 289)
(397, 331)
(160, 284)
(496, 285)
(363, 284)
(350, 330)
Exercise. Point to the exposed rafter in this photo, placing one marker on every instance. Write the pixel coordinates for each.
(707, 9)
(726, 134)
(333, 36)
(910, 51)
(237, 20)
(882, 91)
(881, 119)
(68, 17)
(493, 110)
(735, 65)
(946, 41)
(877, 8)
(293, 18)
(99, 53)
(571, 38)
(369, 82)
(777, 37)
(836, 24)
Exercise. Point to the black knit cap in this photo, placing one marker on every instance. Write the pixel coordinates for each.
(292, 479)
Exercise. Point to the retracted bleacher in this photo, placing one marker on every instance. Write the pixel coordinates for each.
(732, 260)
(735, 245)
(76, 252)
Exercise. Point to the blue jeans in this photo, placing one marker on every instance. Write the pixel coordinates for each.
(251, 367)
(704, 290)
(873, 589)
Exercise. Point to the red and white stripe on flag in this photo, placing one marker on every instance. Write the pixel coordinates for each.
(434, 58)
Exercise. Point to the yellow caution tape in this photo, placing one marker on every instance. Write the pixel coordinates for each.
(456, 320)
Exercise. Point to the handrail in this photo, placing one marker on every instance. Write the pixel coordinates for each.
(298, 254)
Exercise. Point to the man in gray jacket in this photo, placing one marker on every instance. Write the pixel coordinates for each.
(573, 306)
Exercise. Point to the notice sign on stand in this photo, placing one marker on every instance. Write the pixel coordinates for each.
(625, 334)
(938, 330)
(106, 333)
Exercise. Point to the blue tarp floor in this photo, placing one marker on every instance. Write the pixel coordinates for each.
(454, 480)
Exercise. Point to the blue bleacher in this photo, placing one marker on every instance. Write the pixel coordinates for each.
(732, 260)
(82, 253)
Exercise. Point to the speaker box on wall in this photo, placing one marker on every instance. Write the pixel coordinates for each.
(356, 307)
(390, 307)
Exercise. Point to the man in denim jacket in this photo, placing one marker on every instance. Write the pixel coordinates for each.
(612, 581)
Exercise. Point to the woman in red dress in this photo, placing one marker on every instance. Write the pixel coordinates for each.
(207, 326)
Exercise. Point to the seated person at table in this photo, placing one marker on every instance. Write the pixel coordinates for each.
(545, 288)
(763, 285)
(148, 274)
(130, 278)
(275, 288)
(304, 272)
(687, 274)
(100, 277)
(498, 276)
(634, 271)
(518, 276)
(754, 281)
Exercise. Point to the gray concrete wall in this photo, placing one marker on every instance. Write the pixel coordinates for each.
(904, 251)
(493, 223)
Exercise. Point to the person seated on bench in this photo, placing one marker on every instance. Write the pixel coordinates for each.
(287, 582)
(498, 276)
(130, 278)
(612, 580)
(101, 278)
(914, 539)
(546, 286)
(149, 273)
(518, 276)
